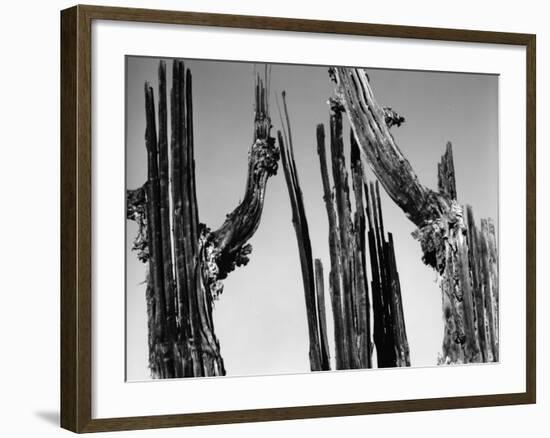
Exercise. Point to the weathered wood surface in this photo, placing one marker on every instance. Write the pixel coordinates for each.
(442, 225)
(164, 210)
(186, 265)
(351, 307)
(345, 235)
(379, 150)
(341, 346)
(321, 314)
(312, 283)
(240, 225)
(348, 277)
(390, 336)
(363, 310)
(483, 260)
(184, 273)
(160, 356)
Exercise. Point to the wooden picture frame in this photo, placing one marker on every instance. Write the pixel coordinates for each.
(76, 218)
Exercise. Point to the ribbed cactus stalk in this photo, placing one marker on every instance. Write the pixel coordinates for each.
(464, 257)
(187, 262)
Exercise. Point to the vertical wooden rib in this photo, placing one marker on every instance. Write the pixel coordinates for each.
(361, 283)
(384, 345)
(493, 268)
(320, 293)
(471, 344)
(199, 301)
(386, 286)
(377, 301)
(299, 221)
(185, 216)
(489, 294)
(446, 174)
(343, 212)
(183, 273)
(175, 167)
(342, 358)
(156, 271)
(474, 254)
(164, 177)
(389, 324)
(462, 267)
(400, 331)
(194, 214)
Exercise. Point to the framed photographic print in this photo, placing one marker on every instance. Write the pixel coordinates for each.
(268, 218)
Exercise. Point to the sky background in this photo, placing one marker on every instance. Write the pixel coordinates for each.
(260, 319)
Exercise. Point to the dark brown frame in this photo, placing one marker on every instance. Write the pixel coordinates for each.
(76, 173)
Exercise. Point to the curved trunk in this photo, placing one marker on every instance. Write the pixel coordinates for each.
(443, 231)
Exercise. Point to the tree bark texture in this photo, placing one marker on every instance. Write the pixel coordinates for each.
(186, 260)
(465, 259)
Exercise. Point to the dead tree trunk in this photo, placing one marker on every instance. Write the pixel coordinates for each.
(348, 279)
(346, 241)
(341, 344)
(442, 226)
(312, 280)
(187, 264)
(349, 276)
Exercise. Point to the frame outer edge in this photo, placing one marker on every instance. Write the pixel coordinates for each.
(76, 230)
(76, 223)
(166, 16)
(531, 221)
(84, 218)
(68, 232)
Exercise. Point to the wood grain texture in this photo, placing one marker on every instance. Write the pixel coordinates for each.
(441, 221)
(76, 295)
(342, 361)
(344, 231)
(363, 307)
(68, 229)
(390, 335)
(185, 344)
(351, 310)
(76, 217)
(321, 314)
(318, 354)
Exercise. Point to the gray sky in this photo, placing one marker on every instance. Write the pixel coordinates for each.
(260, 319)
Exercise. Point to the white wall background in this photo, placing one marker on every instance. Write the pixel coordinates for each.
(29, 184)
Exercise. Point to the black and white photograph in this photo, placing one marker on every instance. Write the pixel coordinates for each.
(266, 219)
(286, 218)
